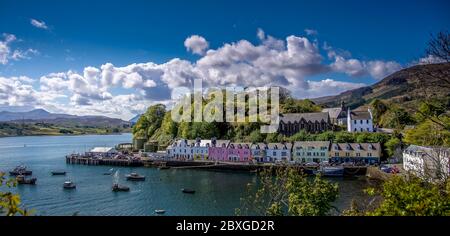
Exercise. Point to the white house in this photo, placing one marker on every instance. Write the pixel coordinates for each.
(181, 149)
(427, 162)
(359, 121)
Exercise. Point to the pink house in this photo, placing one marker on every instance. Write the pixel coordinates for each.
(218, 151)
(239, 152)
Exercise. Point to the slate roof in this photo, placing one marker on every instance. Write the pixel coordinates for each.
(356, 146)
(334, 112)
(313, 117)
(360, 115)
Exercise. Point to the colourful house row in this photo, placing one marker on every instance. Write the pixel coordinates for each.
(296, 152)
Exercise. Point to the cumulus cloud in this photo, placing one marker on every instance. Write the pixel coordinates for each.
(7, 53)
(122, 91)
(196, 44)
(430, 59)
(311, 32)
(38, 24)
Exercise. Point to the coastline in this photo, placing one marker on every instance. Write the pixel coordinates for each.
(65, 135)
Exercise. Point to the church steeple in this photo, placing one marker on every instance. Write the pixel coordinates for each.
(343, 105)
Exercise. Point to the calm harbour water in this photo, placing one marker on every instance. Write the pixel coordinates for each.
(217, 193)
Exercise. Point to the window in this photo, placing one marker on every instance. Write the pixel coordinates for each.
(336, 154)
(274, 153)
(283, 154)
(369, 154)
(360, 121)
(358, 154)
(367, 121)
(354, 122)
(368, 130)
(347, 154)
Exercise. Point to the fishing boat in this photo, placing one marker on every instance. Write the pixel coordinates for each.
(22, 180)
(58, 173)
(120, 188)
(69, 185)
(330, 171)
(160, 212)
(135, 177)
(20, 170)
(187, 190)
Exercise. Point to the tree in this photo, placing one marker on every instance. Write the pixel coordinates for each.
(9, 202)
(439, 46)
(428, 133)
(289, 192)
(401, 196)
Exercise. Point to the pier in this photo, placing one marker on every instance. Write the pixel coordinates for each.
(205, 165)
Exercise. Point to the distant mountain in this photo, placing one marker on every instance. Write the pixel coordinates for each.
(41, 115)
(407, 87)
(135, 119)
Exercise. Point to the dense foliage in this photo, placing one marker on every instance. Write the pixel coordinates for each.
(286, 191)
(400, 196)
(9, 202)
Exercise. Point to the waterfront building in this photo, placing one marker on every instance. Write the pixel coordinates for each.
(181, 149)
(103, 152)
(427, 162)
(218, 151)
(338, 115)
(279, 152)
(359, 121)
(292, 123)
(356, 153)
(259, 151)
(311, 151)
(200, 149)
(239, 152)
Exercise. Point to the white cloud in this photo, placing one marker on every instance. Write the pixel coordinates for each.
(7, 53)
(311, 32)
(430, 59)
(38, 24)
(125, 91)
(196, 44)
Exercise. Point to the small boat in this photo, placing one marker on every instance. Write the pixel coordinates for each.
(135, 177)
(160, 212)
(69, 185)
(120, 188)
(164, 167)
(109, 172)
(58, 173)
(331, 171)
(22, 180)
(187, 190)
(20, 170)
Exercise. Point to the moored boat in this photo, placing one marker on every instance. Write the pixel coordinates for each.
(160, 212)
(20, 170)
(331, 171)
(188, 190)
(22, 180)
(58, 173)
(135, 177)
(120, 188)
(69, 185)
(164, 167)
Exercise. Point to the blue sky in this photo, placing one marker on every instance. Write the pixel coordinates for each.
(358, 42)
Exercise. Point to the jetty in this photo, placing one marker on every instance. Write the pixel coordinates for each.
(131, 161)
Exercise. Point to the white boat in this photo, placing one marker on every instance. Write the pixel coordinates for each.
(69, 185)
(330, 171)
